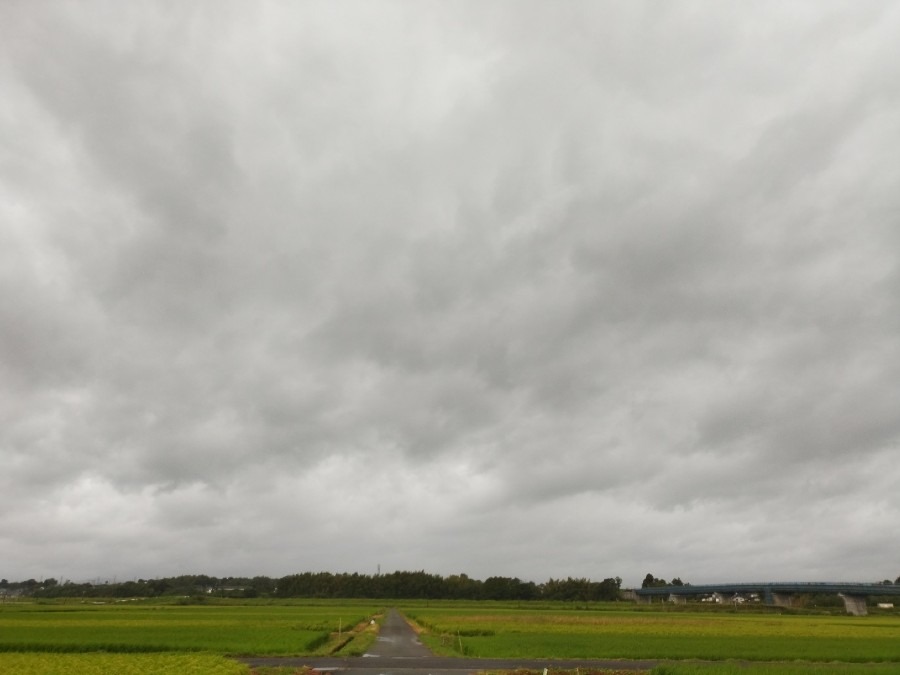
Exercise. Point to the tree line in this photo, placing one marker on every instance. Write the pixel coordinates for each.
(399, 585)
(651, 581)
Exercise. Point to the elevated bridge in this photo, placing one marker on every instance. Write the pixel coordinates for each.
(777, 593)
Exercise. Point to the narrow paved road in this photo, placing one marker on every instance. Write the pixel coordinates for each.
(398, 651)
(397, 639)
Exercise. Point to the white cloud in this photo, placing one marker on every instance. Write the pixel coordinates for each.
(511, 289)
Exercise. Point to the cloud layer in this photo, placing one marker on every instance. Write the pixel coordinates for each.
(525, 289)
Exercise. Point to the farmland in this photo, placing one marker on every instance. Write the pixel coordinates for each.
(611, 632)
(121, 664)
(775, 669)
(158, 627)
(170, 636)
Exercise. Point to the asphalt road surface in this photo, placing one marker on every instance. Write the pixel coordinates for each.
(398, 651)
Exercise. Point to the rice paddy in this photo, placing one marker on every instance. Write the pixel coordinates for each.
(158, 637)
(145, 628)
(616, 633)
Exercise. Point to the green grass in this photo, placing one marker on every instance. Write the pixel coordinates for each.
(361, 639)
(610, 632)
(777, 669)
(120, 664)
(152, 636)
(224, 629)
(725, 669)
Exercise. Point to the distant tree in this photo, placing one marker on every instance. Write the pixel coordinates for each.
(506, 588)
(400, 584)
(159, 586)
(582, 590)
(897, 580)
(129, 589)
(460, 586)
(677, 581)
(650, 581)
(608, 589)
(4, 583)
(262, 584)
(203, 581)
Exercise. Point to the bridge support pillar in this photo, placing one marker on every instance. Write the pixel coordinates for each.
(678, 599)
(854, 604)
(644, 599)
(782, 599)
(718, 598)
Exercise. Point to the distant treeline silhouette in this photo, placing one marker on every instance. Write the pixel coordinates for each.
(400, 585)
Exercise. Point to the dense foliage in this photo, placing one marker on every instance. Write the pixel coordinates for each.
(329, 585)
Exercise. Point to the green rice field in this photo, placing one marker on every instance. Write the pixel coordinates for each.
(626, 633)
(169, 637)
(121, 664)
(223, 629)
(776, 669)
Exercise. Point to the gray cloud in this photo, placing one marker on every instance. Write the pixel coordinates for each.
(508, 289)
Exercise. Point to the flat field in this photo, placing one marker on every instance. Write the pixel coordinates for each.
(121, 664)
(158, 637)
(257, 629)
(611, 631)
(776, 669)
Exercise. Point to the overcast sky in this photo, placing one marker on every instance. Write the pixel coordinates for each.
(503, 288)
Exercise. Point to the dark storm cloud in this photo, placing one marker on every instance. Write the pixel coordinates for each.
(531, 290)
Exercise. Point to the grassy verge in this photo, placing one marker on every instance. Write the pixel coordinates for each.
(364, 636)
